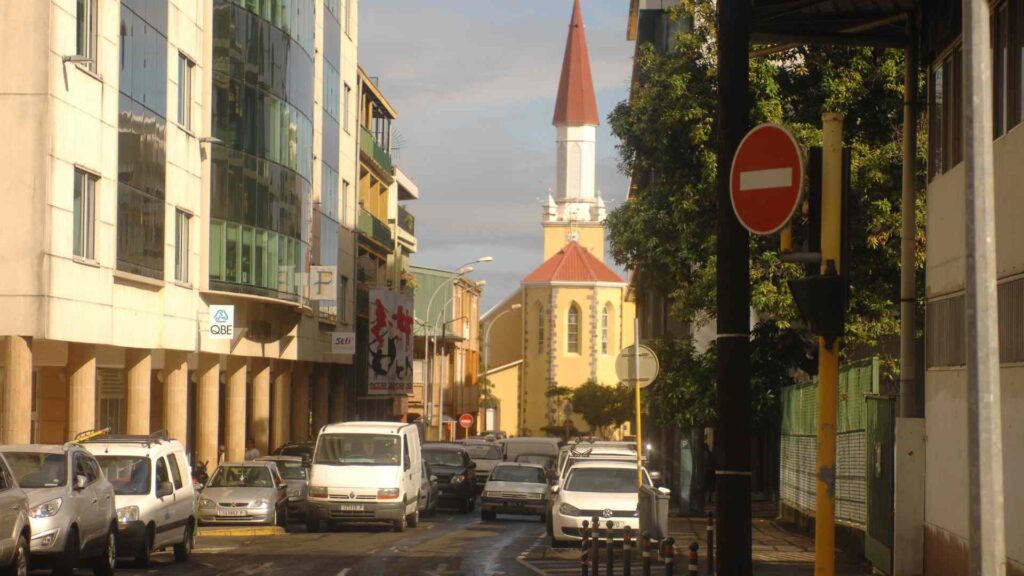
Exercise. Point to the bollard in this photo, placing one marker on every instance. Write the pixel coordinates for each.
(609, 568)
(627, 551)
(693, 566)
(711, 543)
(597, 534)
(645, 554)
(668, 553)
(585, 549)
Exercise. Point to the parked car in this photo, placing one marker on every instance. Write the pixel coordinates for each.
(366, 472)
(546, 461)
(153, 493)
(498, 434)
(295, 473)
(15, 527)
(303, 450)
(71, 506)
(530, 445)
(601, 488)
(515, 488)
(428, 491)
(590, 453)
(486, 455)
(455, 473)
(245, 493)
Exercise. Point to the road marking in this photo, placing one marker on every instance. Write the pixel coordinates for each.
(764, 179)
(343, 572)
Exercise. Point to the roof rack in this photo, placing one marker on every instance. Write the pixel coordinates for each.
(89, 435)
(144, 439)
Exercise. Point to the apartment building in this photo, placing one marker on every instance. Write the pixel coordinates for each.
(174, 155)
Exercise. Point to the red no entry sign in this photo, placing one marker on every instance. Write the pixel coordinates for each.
(767, 179)
(466, 420)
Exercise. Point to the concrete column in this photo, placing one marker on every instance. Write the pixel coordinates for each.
(81, 371)
(208, 409)
(138, 379)
(281, 396)
(234, 412)
(17, 391)
(176, 395)
(320, 399)
(300, 402)
(259, 423)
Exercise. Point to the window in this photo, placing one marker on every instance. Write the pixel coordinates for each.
(342, 297)
(348, 17)
(540, 329)
(161, 472)
(573, 333)
(175, 471)
(1002, 84)
(185, 67)
(85, 37)
(946, 112)
(182, 226)
(84, 228)
(604, 330)
(346, 108)
(343, 213)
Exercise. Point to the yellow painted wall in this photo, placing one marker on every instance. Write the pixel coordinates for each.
(556, 236)
(506, 389)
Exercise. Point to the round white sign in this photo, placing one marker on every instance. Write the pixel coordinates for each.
(625, 362)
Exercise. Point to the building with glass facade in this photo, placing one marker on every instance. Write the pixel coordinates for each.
(174, 156)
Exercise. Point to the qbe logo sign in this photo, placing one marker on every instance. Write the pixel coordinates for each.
(222, 322)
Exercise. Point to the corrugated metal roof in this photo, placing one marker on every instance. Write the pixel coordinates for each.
(573, 263)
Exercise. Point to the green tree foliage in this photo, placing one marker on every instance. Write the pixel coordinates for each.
(667, 146)
(603, 406)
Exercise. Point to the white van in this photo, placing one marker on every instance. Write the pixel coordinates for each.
(153, 493)
(365, 472)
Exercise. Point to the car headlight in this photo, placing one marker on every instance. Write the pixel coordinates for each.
(568, 510)
(296, 492)
(318, 491)
(46, 509)
(490, 494)
(387, 494)
(458, 479)
(127, 514)
(206, 503)
(259, 503)
(536, 496)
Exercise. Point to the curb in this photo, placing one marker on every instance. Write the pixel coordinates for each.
(209, 531)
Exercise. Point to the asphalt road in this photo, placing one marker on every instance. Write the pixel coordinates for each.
(446, 545)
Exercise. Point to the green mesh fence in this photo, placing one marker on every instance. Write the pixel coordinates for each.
(800, 402)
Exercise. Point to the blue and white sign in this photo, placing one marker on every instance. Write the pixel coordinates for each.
(222, 322)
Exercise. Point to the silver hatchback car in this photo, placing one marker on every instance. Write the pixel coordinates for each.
(71, 505)
(244, 493)
(15, 530)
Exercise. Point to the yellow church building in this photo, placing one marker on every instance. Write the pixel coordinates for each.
(570, 317)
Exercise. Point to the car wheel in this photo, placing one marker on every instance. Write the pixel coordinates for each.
(143, 553)
(399, 525)
(413, 520)
(65, 564)
(312, 524)
(282, 519)
(488, 516)
(184, 550)
(19, 562)
(106, 563)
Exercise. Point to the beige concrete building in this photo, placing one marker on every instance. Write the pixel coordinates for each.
(162, 166)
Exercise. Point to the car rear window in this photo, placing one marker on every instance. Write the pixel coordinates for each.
(483, 452)
(519, 474)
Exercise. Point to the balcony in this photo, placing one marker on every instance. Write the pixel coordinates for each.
(375, 230)
(373, 150)
(406, 221)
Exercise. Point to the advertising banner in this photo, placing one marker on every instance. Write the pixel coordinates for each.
(390, 343)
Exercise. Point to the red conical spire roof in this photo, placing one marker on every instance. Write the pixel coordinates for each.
(576, 102)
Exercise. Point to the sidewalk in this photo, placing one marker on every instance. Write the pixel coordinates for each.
(777, 550)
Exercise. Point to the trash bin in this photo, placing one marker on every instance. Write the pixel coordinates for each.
(654, 511)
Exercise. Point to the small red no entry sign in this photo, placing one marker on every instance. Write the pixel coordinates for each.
(766, 182)
(466, 420)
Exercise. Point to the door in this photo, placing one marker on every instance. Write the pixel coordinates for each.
(11, 501)
(162, 515)
(86, 505)
(880, 442)
(181, 510)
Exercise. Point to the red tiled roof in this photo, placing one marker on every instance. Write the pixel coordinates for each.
(573, 263)
(576, 103)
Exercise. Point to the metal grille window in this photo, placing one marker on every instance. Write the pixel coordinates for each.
(1011, 321)
(573, 332)
(540, 329)
(182, 226)
(604, 331)
(185, 67)
(84, 228)
(944, 332)
(85, 33)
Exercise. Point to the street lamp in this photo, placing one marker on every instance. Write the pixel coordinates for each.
(487, 336)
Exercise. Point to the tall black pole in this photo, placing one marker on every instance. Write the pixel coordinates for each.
(732, 438)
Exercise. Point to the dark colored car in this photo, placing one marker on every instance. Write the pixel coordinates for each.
(455, 471)
(303, 450)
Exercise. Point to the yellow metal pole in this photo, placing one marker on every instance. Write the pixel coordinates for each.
(636, 386)
(828, 352)
(786, 239)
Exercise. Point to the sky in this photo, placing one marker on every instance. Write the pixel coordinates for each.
(474, 85)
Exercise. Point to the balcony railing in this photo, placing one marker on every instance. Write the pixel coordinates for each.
(406, 221)
(374, 229)
(370, 147)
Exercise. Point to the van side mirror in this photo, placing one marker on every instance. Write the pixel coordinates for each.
(81, 482)
(164, 489)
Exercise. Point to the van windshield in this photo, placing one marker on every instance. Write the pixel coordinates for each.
(128, 474)
(359, 450)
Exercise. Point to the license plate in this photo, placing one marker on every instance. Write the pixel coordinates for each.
(231, 512)
(351, 507)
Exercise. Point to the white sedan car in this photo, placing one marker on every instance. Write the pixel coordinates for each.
(606, 489)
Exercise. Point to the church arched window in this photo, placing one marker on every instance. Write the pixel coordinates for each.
(604, 328)
(573, 332)
(540, 329)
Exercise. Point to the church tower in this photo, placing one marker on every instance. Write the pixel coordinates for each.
(575, 212)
